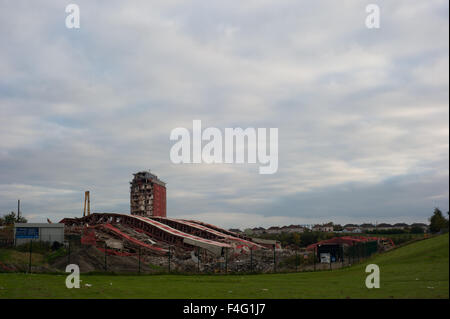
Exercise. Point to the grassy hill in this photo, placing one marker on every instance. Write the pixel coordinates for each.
(418, 270)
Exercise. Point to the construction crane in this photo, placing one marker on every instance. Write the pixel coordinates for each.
(88, 202)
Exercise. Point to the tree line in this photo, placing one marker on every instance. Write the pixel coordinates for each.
(438, 224)
(11, 218)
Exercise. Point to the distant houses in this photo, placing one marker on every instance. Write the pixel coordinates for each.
(330, 228)
(384, 226)
(423, 226)
(285, 229)
(363, 228)
(292, 229)
(367, 227)
(325, 228)
(400, 226)
(258, 230)
(352, 228)
(355, 230)
(275, 230)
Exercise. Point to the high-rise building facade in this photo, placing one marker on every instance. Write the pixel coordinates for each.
(147, 195)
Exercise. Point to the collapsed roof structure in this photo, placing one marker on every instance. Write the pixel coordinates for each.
(148, 227)
(157, 234)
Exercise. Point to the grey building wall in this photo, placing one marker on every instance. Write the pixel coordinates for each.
(47, 232)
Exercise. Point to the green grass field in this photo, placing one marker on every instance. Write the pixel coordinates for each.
(418, 270)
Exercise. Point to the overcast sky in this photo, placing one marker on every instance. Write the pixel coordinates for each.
(362, 113)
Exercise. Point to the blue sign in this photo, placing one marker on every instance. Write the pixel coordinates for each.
(27, 232)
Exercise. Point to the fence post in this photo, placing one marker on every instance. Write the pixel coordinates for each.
(31, 252)
(198, 259)
(274, 260)
(314, 259)
(251, 260)
(139, 259)
(363, 251)
(359, 252)
(226, 259)
(169, 256)
(68, 256)
(106, 268)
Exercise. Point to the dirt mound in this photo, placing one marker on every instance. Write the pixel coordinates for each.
(90, 258)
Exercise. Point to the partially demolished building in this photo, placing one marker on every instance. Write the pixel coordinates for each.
(149, 228)
(147, 195)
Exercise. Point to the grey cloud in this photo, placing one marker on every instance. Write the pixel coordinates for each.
(359, 111)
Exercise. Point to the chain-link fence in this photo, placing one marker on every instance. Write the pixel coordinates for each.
(106, 256)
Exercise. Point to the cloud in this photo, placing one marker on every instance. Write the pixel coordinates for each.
(362, 114)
